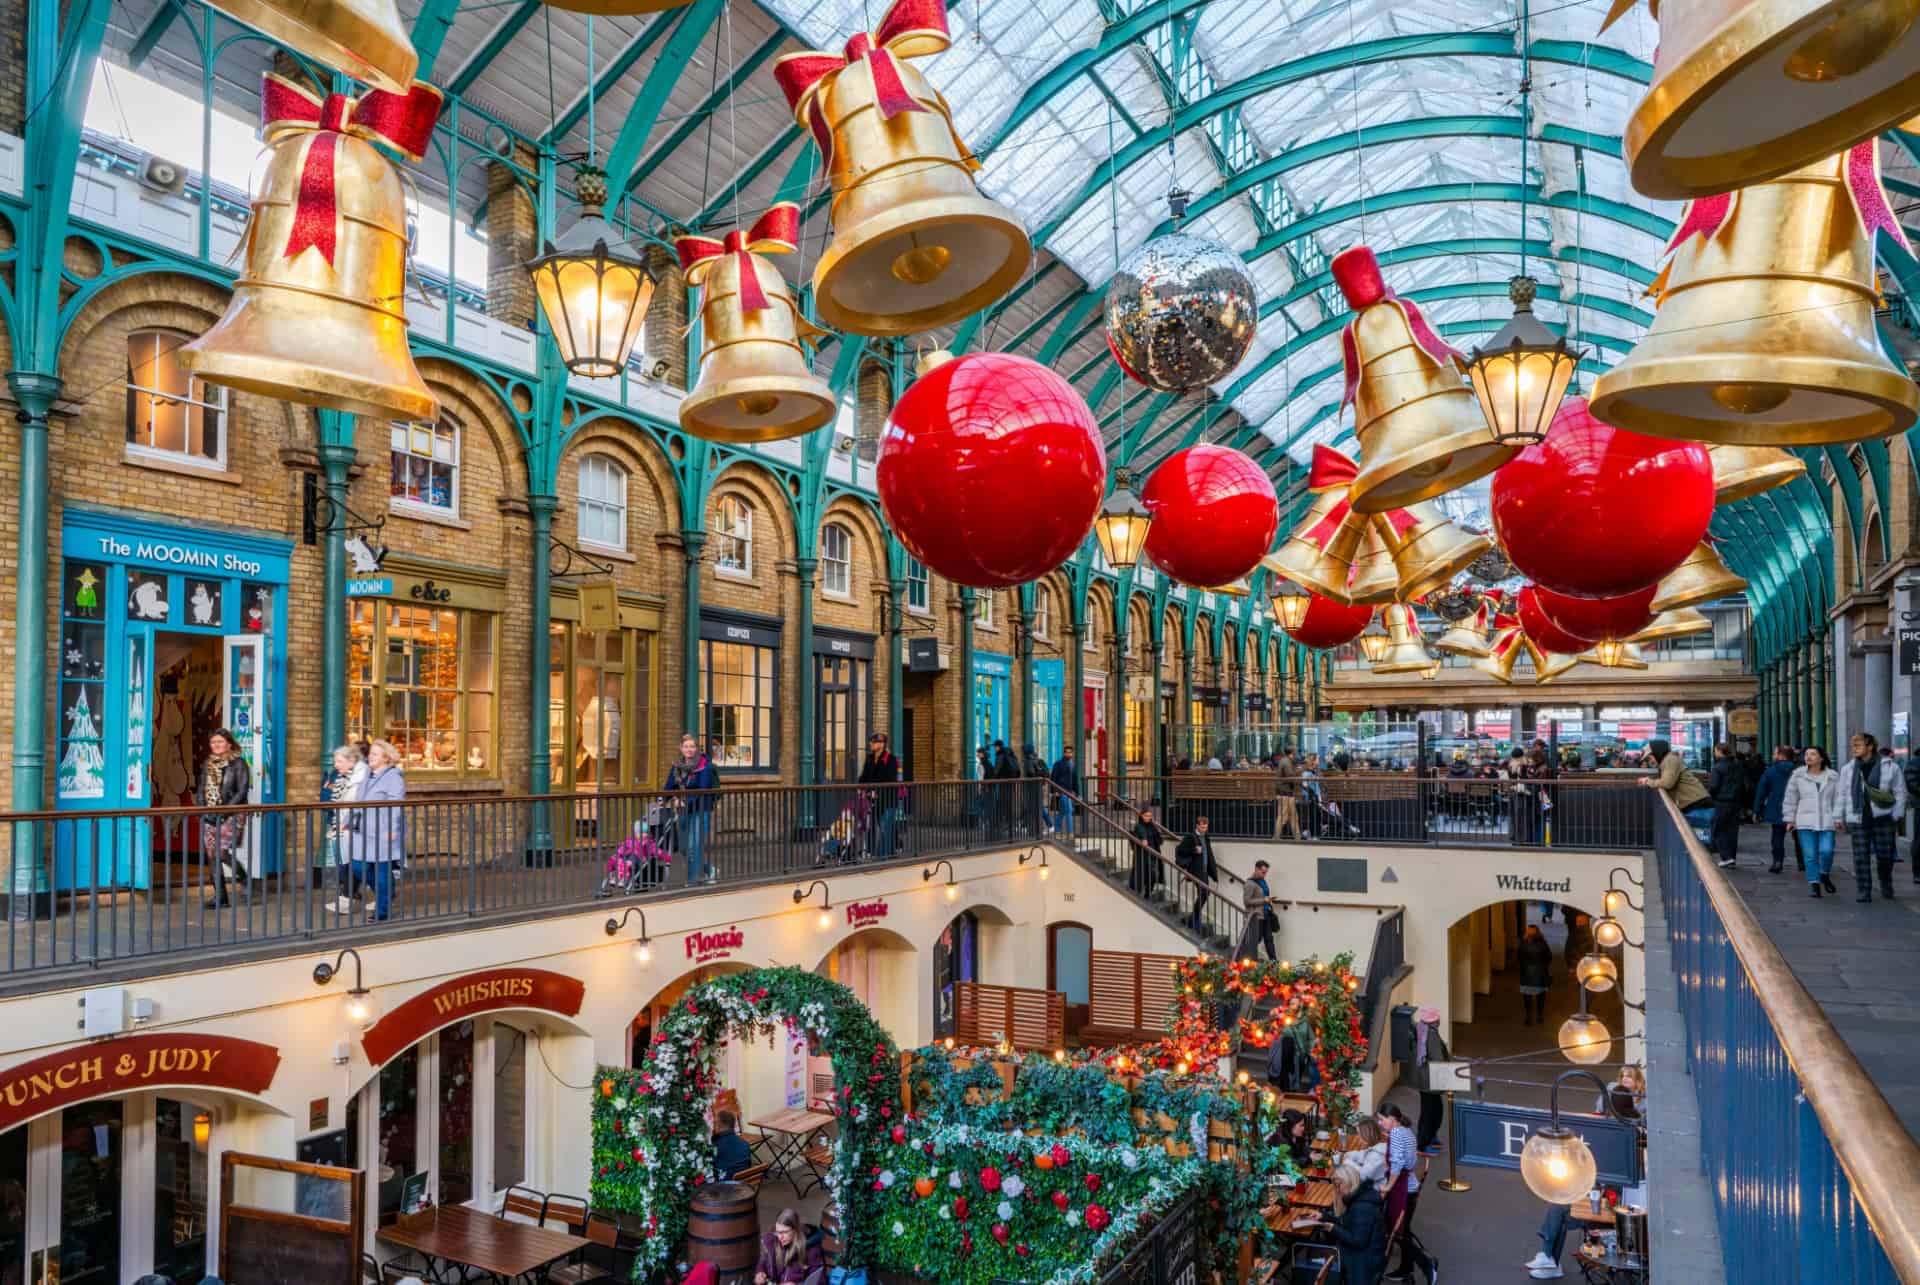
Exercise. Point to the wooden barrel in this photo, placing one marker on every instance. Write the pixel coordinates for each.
(723, 1228)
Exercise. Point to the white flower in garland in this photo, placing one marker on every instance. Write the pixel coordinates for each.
(1005, 1210)
(1013, 1186)
(953, 1180)
(620, 1104)
(886, 1178)
(899, 1228)
(1128, 1160)
(1073, 1217)
(946, 1214)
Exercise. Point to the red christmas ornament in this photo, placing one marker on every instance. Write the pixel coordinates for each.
(1595, 511)
(1546, 635)
(1595, 619)
(991, 470)
(1329, 624)
(1214, 515)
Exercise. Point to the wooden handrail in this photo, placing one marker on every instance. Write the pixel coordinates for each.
(1881, 1159)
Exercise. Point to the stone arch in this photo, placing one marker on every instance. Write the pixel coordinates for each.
(653, 498)
(1099, 621)
(869, 540)
(770, 502)
(1059, 593)
(476, 404)
(1139, 624)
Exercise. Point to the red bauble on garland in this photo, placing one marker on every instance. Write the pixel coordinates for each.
(991, 470)
(1596, 619)
(1214, 515)
(1329, 623)
(1546, 635)
(1595, 511)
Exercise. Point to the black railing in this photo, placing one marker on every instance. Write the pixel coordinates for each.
(96, 887)
(1167, 1254)
(1383, 965)
(1214, 917)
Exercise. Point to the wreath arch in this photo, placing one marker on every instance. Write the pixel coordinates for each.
(651, 1142)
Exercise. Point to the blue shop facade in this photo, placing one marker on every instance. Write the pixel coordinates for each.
(166, 634)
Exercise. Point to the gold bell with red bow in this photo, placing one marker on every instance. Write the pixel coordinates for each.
(1747, 90)
(1765, 332)
(1677, 623)
(1503, 654)
(1546, 665)
(1468, 635)
(1406, 651)
(1428, 548)
(755, 382)
(317, 313)
(1614, 654)
(1703, 577)
(364, 38)
(1421, 431)
(1741, 472)
(915, 246)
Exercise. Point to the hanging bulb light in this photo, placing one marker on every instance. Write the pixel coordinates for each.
(1597, 972)
(1585, 1039)
(1121, 527)
(1557, 1165)
(593, 287)
(1522, 374)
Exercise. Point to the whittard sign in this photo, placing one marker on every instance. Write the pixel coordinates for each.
(1491, 1135)
(1527, 883)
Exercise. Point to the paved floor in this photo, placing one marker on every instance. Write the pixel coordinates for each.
(1859, 961)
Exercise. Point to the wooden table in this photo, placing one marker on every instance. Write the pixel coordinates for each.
(1317, 1196)
(1581, 1211)
(797, 1125)
(455, 1234)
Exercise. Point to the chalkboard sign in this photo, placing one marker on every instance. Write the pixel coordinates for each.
(321, 1196)
(266, 1246)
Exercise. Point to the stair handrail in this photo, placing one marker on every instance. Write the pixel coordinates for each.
(1233, 907)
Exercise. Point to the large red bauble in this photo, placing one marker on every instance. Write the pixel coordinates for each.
(1214, 515)
(991, 470)
(1595, 511)
(1546, 635)
(1329, 623)
(1595, 619)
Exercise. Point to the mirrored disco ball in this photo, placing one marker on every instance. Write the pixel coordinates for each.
(1453, 604)
(1181, 312)
(1491, 567)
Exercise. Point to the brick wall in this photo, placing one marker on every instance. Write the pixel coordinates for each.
(512, 239)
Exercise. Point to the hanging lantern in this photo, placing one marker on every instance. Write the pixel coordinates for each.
(1744, 91)
(991, 469)
(1594, 619)
(316, 315)
(1181, 311)
(1404, 653)
(1677, 623)
(1702, 578)
(593, 288)
(1557, 1165)
(1765, 332)
(1594, 511)
(1740, 472)
(1522, 373)
(1122, 525)
(366, 39)
(915, 246)
(1373, 643)
(1467, 636)
(1421, 433)
(1585, 1039)
(1290, 603)
(755, 382)
(1214, 515)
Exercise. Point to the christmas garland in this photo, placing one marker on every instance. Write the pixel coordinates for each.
(652, 1144)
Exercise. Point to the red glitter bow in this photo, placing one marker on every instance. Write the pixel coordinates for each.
(1333, 471)
(403, 122)
(909, 29)
(775, 232)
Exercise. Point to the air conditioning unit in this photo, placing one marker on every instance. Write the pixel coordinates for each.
(162, 175)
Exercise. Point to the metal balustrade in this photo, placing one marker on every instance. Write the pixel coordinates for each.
(91, 888)
(1814, 1178)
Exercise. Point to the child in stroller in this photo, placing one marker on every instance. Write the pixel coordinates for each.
(848, 839)
(640, 863)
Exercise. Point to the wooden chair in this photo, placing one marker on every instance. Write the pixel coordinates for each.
(1326, 1269)
(600, 1261)
(524, 1205)
(569, 1211)
(753, 1175)
(819, 1159)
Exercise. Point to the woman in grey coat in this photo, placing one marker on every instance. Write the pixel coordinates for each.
(377, 837)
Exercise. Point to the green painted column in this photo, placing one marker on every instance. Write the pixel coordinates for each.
(540, 680)
(1116, 764)
(1156, 766)
(966, 684)
(804, 569)
(335, 461)
(1183, 712)
(34, 394)
(1076, 694)
(692, 543)
(1023, 671)
(1823, 690)
(896, 664)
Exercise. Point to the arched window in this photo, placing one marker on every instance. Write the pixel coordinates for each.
(733, 536)
(836, 560)
(603, 502)
(170, 415)
(1042, 613)
(425, 472)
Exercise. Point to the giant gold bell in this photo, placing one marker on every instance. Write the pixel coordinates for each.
(1703, 577)
(1502, 655)
(1546, 665)
(915, 246)
(1740, 472)
(1428, 549)
(300, 329)
(364, 38)
(1467, 636)
(1406, 653)
(1677, 623)
(755, 384)
(1376, 580)
(1748, 90)
(1320, 553)
(1765, 333)
(1614, 655)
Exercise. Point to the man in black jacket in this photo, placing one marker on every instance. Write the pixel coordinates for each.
(882, 768)
(1727, 787)
(1066, 778)
(1147, 873)
(1006, 769)
(1195, 856)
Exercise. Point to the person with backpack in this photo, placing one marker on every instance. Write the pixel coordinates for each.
(1873, 794)
(1727, 787)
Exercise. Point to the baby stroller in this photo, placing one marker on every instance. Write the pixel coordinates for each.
(640, 863)
(850, 837)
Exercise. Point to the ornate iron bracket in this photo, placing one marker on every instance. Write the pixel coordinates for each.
(560, 560)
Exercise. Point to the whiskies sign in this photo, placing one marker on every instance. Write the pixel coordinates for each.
(468, 996)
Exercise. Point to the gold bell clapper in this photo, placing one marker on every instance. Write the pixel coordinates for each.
(1677, 623)
(1741, 472)
(366, 39)
(1503, 654)
(755, 382)
(1406, 653)
(1702, 578)
(915, 246)
(1421, 431)
(1468, 636)
(317, 314)
(1765, 332)
(1747, 90)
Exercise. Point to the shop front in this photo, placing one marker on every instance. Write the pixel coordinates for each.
(992, 681)
(739, 670)
(956, 959)
(602, 730)
(1047, 719)
(1093, 713)
(842, 702)
(167, 634)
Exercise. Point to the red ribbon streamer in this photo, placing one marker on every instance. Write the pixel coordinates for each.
(403, 122)
(1332, 470)
(909, 29)
(1870, 202)
(775, 232)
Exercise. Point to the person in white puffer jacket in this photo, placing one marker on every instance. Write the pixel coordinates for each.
(1811, 810)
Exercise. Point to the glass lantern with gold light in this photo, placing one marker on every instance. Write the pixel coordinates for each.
(1557, 1165)
(1597, 972)
(1121, 527)
(1290, 603)
(1522, 374)
(1374, 642)
(1585, 1039)
(593, 287)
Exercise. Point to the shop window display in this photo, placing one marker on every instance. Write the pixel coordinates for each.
(509, 1106)
(455, 1103)
(425, 470)
(737, 702)
(92, 1157)
(182, 1132)
(169, 414)
(424, 678)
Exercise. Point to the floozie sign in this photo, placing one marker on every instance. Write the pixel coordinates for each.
(704, 948)
(862, 913)
(136, 1062)
(467, 996)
